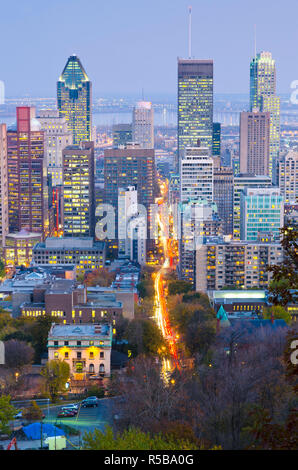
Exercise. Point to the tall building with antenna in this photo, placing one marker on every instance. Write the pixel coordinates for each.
(263, 97)
(195, 101)
(74, 97)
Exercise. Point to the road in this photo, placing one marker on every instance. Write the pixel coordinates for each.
(161, 310)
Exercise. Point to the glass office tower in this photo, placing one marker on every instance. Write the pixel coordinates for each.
(263, 96)
(74, 91)
(195, 104)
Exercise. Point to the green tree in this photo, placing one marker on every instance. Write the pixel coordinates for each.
(33, 413)
(2, 269)
(179, 287)
(39, 331)
(144, 337)
(7, 412)
(133, 439)
(285, 275)
(56, 374)
(277, 312)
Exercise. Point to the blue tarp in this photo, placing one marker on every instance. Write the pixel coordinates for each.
(33, 431)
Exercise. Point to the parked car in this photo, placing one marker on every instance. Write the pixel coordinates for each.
(72, 408)
(66, 414)
(90, 402)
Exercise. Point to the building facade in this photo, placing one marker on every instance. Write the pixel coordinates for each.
(223, 196)
(122, 134)
(221, 263)
(195, 104)
(196, 175)
(3, 186)
(28, 190)
(261, 213)
(78, 190)
(143, 124)
(254, 142)
(56, 138)
(74, 99)
(288, 177)
(86, 348)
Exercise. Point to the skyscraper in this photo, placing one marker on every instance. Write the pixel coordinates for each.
(254, 142)
(263, 96)
(28, 202)
(241, 182)
(3, 186)
(195, 104)
(74, 98)
(196, 175)
(143, 125)
(223, 190)
(261, 214)
(57, 137)
(122, 134)
(78, 190)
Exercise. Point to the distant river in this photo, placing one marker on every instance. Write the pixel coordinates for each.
(161, 118)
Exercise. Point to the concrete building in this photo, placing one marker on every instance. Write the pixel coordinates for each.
(86, 348)
(241, 182)
(195, 104)
(28, 191)
(56, 138)
(288, 177)
(223, 196)
(261, 213)
(143, 124)
(254, 142)
(3, 186)
(83, 252)
(196, 175)
(127, 209)
(222, 263)
(122, 135)
(78, 190)
(74, 99)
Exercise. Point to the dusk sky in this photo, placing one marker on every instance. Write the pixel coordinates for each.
(129, 45)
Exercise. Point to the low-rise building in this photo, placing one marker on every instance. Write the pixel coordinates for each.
(81, 251)
(86, 348)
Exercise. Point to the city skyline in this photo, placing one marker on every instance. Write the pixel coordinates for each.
(147, 64)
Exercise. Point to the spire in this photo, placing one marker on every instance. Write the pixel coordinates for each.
(73, 73)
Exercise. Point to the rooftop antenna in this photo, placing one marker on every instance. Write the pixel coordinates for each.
(189, 32)
(255, 41)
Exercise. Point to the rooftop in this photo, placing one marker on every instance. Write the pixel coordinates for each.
(79, 331)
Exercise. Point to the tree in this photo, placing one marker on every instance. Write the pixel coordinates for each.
(18, 354)
(277, 312)
(133, 439)
(99, 277)
(39, 331)
(7, 412)
(56, 374)
(33, 413)
(285, 275)
(2, 269)
(144, 337)
(179, 287)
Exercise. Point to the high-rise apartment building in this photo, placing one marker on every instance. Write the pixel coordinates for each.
(263, 96)
(28, 202)
(254, 142)
(74, 98)
(143, 124)
(3, 186)
(242, 181)
(78, 190)
(57, 137)
(196, 175)
(221, 263)
(288, 177)
(261, 214)
(195, 104)
(127, 209)
(122, 134)
(223, 196)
